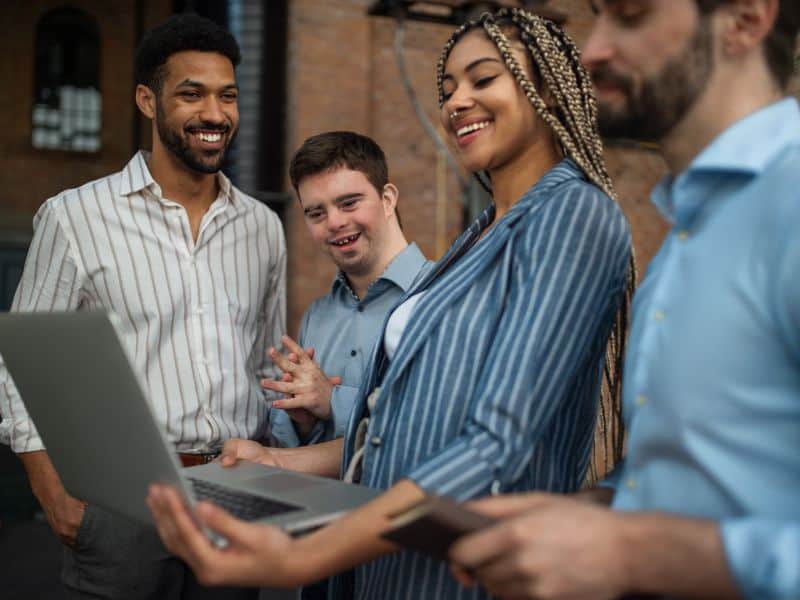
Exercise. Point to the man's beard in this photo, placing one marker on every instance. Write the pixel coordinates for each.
(179, 146)
(665, 98)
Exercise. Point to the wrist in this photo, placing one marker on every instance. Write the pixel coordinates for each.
(630, 539)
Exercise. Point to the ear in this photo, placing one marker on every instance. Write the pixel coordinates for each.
(146, 101)
(747, 24)
(389, 197)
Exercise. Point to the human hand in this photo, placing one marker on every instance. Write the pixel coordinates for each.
(546, 547)
(64, 514)
(307, 387)
(255, 555)
(238, 449)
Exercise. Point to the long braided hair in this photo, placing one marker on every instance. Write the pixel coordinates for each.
(555, 59)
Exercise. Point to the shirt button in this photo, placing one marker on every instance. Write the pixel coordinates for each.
(683, 235)
(630, 483)
(641, 400)
(353, 352)
(495, 488)
(375, 441)
(198, 310)
(658, 315)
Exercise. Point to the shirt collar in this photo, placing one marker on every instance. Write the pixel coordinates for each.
(401, 271)
(745, 148)
(136, 177)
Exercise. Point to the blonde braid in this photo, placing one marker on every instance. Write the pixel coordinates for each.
(574, 122)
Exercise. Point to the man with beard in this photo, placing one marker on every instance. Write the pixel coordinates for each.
(705, 503)
(193, 268)
(350, 207)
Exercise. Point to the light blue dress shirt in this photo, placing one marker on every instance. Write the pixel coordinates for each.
(342, 330)
(712, 376)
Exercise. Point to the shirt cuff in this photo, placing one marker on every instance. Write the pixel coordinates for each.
(282, 429)
(763, 555)
(20, 436)
(459, 472)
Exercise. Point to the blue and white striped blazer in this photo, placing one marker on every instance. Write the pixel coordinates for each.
(495, 382)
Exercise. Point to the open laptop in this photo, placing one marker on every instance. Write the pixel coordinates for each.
(91, 411)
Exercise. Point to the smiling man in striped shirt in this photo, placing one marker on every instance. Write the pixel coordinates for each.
(194, 269)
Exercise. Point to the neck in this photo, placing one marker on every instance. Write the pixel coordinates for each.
(361, 282)
(178, 182)
(511, 181)
(729, 97)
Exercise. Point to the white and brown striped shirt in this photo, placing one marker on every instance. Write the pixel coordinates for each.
(196, 316)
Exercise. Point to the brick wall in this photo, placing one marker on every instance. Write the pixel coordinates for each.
(343, 74)
(29, 176)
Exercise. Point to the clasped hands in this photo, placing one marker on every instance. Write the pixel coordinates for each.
(307, 389)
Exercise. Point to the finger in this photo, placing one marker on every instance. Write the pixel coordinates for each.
(335, 380)
(287, 378)
(472, 551)
(310, 353)
(178, 530)
(284, 387)
(229, 454)
(508, 577)
(293, 358)
(295, 349)
(298, 401)
(281, 361)
(510, 504)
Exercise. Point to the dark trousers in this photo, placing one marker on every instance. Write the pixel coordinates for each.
(115, 557)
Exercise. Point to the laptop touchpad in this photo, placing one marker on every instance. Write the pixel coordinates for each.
(282, 482)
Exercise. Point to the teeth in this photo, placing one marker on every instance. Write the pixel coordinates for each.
(347, 240)
(210, 137)
(473, 127)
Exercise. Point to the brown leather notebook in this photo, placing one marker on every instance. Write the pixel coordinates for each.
(431, 526)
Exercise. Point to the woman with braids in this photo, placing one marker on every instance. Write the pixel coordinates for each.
(488, 376)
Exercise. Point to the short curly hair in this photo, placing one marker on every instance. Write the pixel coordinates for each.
(185, 31)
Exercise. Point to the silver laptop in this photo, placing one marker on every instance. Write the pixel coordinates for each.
(91, 411)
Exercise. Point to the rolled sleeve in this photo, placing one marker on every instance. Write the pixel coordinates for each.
(764, 556)
(560, 308)
(50, 281)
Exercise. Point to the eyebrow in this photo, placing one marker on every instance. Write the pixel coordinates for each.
(197, 84)
(475, 63)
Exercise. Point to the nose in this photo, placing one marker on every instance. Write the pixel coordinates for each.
(459, 101)
(599, 46)
(337, 220)
(212, 111)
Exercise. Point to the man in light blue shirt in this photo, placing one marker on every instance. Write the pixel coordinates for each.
(350, 207)
(707, 501)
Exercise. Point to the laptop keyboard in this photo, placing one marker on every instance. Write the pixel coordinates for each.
(247, 507)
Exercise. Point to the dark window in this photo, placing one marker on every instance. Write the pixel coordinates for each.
(67, 105)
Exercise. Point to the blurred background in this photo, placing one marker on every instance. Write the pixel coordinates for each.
(66, 88)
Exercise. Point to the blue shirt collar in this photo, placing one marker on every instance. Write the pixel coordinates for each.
(401, 271)
(741, 150)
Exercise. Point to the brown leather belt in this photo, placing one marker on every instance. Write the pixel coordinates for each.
(192, 459)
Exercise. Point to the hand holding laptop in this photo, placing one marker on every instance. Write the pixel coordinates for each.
(255, 555)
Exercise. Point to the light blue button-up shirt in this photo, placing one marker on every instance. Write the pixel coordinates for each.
(712, 376)
(342, 330)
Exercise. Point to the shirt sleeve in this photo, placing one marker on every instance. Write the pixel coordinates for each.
(558, 310)
(50, 281)
(273, 317)
(763, 555)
